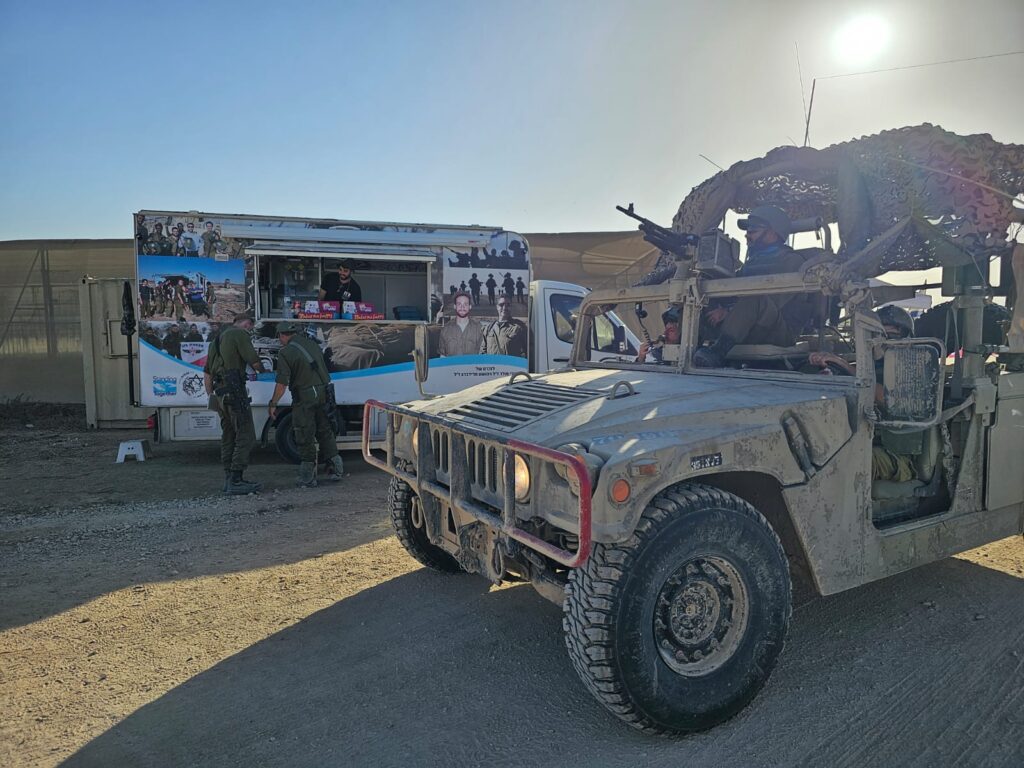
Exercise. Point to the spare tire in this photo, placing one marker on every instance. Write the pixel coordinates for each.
(932, 324)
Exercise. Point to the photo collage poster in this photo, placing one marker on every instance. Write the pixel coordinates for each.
(193, 277)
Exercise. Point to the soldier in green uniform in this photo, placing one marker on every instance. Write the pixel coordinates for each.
(506, 335)
(301, 368)
(224, 378)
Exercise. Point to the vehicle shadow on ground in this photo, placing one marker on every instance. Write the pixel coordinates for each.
(99, 551)
(433, 670)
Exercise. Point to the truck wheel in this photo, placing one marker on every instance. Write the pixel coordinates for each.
(407, 520)
(284, 439)
(678, 628)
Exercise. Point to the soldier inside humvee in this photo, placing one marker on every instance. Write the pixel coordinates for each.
(893, 455)
(767, 319)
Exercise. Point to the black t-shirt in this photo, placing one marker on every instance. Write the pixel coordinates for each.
(335, 291)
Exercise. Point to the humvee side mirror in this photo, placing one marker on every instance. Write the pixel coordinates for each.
(911, 382)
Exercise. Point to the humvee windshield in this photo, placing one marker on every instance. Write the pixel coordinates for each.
(663, 334)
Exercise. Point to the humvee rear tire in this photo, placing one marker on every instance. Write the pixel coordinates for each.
(677, 629)
(407, 521)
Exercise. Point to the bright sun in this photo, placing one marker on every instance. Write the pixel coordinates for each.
(860, 40)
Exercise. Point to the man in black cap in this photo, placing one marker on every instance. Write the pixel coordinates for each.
(506, 335)
(757, 319)
(340, 285)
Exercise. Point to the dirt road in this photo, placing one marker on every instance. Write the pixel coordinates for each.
(292, 630)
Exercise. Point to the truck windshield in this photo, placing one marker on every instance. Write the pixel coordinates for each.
(607, 331)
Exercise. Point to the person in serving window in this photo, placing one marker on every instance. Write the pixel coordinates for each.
(340, 285)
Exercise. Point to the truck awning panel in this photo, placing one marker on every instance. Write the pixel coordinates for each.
(324, 251)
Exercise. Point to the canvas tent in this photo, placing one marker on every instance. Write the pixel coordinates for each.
(593, 259)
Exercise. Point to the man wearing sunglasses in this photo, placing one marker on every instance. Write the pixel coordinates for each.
(757, 319)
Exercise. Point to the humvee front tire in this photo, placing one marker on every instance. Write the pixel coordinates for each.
(677, 629)
(407, 520)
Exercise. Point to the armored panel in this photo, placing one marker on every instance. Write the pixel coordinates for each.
(910, 383)
(1005, 480)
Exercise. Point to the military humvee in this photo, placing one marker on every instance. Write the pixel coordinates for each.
(673, 511)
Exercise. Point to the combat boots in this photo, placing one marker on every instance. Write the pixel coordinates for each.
(307, 475)
(227, 480)
(237, 486)
(335, 469)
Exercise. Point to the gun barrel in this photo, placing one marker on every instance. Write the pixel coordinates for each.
(630, 212)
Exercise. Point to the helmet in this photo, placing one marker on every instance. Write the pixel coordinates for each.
(897, 317)
(286, 328)
(770, 216)
(670, 315)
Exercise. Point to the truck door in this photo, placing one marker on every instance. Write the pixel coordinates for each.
(555, 310)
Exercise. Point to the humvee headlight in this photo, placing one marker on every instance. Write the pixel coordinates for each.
(415, 438)
(522, 478)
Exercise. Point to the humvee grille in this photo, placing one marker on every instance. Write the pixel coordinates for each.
(519, 404)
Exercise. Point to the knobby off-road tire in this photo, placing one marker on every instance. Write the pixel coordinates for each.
(408, 524)
(678, 628)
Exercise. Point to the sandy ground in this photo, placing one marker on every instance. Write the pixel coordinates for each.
(147, 621)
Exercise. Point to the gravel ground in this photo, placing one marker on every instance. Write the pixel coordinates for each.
(147, 620)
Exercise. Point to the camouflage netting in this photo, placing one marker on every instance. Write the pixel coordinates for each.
(906, 199)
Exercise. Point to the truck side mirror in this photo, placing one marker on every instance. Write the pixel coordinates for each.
(620, 339)
(911, 381)
(421, 353)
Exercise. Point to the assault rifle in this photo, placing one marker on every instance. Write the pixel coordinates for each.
(675, 243)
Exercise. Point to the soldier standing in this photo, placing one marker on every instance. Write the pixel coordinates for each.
(172, 341)
(474, 289)
(211, 298)
(224, 379)
(179, 300)
(146, 298)
(301, 368)
(506, 335)
(160, 296)
(209, 238)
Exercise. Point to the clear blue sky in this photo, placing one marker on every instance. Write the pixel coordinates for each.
(535, 116)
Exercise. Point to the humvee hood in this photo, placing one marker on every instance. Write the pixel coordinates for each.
(573, 406)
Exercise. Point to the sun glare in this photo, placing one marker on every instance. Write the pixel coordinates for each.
(860, 40)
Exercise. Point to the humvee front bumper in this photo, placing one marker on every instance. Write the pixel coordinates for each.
(472, 472)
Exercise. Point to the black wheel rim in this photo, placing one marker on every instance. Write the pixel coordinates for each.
(701, 615)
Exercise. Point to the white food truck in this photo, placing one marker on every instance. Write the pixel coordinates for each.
(195, 271)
